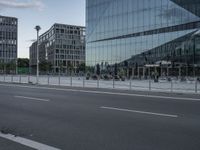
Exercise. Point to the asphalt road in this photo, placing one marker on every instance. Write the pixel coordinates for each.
(94, 119)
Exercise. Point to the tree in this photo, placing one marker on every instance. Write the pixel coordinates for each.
(23, 62)
(2, 67)
(116, 69)
(11, 67)
(45, 66)
(82, 67)
(70, 67)
(98, 71)
(90, 69)
(60, 67)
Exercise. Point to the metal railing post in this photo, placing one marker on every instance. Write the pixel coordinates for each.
(59, 79)
(130, 84)
(171, 86)
(113, 82)
(20, 78)
(4, 78)
(98, 82)
(196, 86)
(71, 81)
(149, 85)
(83, 82)
(12, 78)
(29, 79)
(48, 80)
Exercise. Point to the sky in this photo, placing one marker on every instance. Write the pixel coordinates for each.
(41, 12)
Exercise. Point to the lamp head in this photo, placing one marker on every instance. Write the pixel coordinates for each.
(38, 28)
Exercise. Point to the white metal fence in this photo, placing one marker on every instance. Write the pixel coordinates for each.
(188, 86)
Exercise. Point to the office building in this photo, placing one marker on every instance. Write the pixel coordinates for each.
(8, 40)
(62, 46)
(143, 33)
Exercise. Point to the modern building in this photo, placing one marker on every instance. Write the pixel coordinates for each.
(147, 34)
(8, 40)
(62, 46)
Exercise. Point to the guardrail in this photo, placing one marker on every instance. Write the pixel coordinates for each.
(192, 86)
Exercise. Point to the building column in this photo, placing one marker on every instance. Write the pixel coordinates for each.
(133, 72)
(144, 72)
(167, 71)
(149, 70)
(180, 71)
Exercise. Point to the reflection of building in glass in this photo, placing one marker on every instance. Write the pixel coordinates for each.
(137, 33)
(8, 39)
(62, 48)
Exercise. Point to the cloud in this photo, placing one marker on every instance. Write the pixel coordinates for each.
(21, 4)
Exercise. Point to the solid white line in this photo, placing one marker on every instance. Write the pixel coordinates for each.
(32, 98)
(27, 142)
(101, 92)
(140, 112)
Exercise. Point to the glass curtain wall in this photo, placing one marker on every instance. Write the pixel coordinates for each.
(141, 31)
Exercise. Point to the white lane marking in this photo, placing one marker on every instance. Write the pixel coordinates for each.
(27, 142)
(140, 112)
(32, 98)
(108, 93)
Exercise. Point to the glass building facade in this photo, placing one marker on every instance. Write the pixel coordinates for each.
(140, 32)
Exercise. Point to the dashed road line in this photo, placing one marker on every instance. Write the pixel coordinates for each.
(140, 112)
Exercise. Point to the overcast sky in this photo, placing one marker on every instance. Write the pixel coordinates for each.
(41, 12)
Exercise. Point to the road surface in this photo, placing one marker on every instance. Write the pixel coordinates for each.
(60, 118)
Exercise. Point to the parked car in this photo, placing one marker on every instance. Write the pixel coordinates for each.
(94, 77)
(123, 78)
(107, 77)
(116, 77)
(88, 76)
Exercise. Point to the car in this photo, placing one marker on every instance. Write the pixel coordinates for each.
(95, 77)
(106, 77)
(117, 78)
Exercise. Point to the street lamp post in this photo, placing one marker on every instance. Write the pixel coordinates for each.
(38, 28)
(194, 59)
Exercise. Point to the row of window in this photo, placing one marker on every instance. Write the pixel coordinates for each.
(55, 32)
(65, 63)
(8, 42)
(6, 54)
(66, 31)
(70, 47)
(8, 21)
(70, 52)
(8, 35)
(73, 57)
